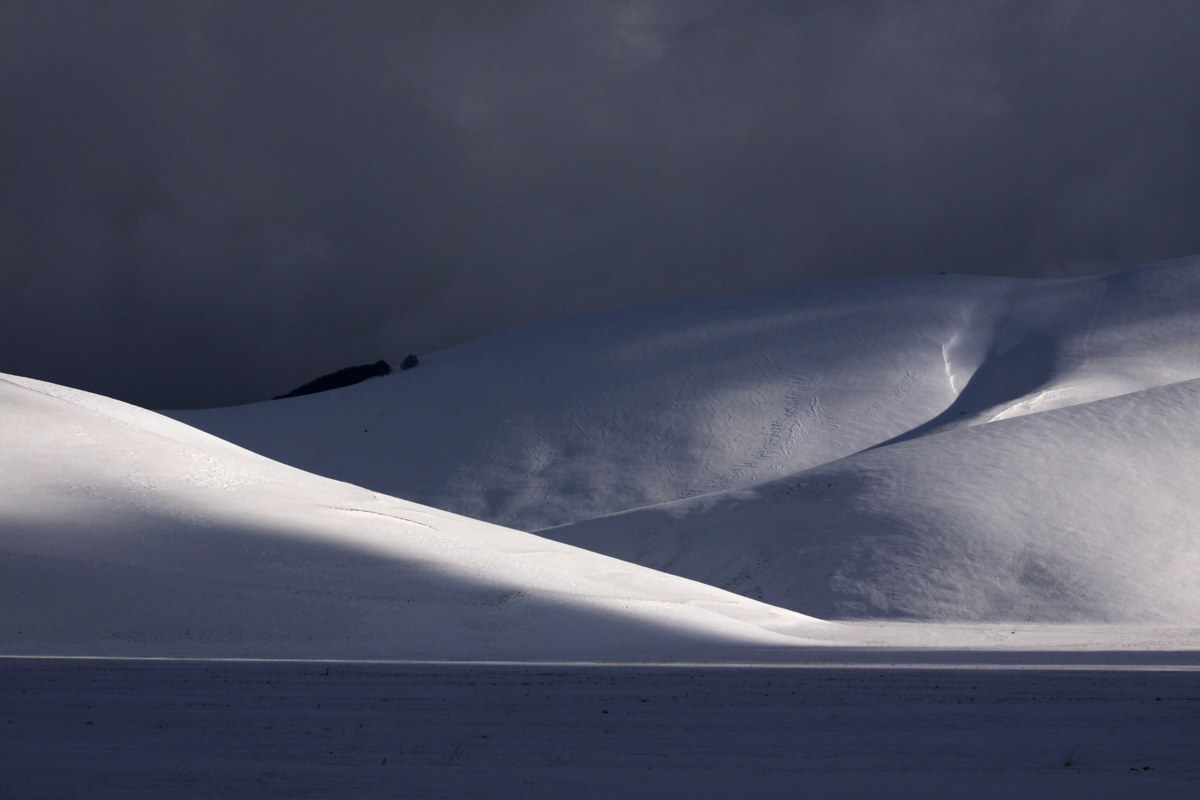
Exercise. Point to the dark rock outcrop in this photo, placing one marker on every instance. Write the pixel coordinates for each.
(347, 376)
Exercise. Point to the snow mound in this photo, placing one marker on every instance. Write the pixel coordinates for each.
(1088, 513)
(123, 532)
(578, 418)
(930, 447)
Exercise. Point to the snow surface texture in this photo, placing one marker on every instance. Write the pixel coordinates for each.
(123, 532)
(930, 448)
(301, 730)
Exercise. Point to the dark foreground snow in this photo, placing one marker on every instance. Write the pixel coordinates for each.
(137, 728)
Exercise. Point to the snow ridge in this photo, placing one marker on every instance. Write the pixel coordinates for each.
(929, 447)
(124, 533)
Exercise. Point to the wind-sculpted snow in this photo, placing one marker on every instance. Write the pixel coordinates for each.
(934, 447)
(578, 418)
(123, 532)
(574, 419)
(1062, 343)
(1085, 513)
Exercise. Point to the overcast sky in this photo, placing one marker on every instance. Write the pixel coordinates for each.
(206, 203)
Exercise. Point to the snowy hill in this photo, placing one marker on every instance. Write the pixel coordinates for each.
(123, 532)
(573, 419)
(932, 447)
(1084, 513)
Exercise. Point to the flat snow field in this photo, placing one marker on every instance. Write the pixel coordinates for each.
(209, 728)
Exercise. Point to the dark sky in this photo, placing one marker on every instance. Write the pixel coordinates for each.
(205, 203)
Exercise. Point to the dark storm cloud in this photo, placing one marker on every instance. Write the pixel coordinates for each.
(210, 202)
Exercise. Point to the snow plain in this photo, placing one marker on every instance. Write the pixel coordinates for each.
(320, 730)
(932, 535)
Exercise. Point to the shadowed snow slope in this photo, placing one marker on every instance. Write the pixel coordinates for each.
(932, 447)
(1085, 513)
(577, 418)
(124, 532)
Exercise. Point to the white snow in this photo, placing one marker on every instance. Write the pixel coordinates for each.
(992, 480)
(573, 419)
(1084, 513)
(933, 447)
(124, 532)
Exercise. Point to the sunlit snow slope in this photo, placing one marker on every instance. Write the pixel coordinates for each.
(123, 532)
(933, 447)
(572, 419)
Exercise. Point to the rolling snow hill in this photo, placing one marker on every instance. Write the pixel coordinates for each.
(125, 533)
(1084, 513)
(931, 447)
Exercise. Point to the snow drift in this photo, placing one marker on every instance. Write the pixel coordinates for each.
(1085, 513)
(931, 447)
(123, 532)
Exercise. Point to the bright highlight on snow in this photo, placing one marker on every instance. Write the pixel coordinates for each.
(938, 448)
(128, 533)
(981, 456)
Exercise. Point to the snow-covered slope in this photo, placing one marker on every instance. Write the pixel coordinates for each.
(576, 418)
(1084, 513)
(1063, 482)
(123, 532)
(934, 447)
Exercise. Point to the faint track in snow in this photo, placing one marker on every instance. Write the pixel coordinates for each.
(777, 432)
(380, 514)
(950, 377)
